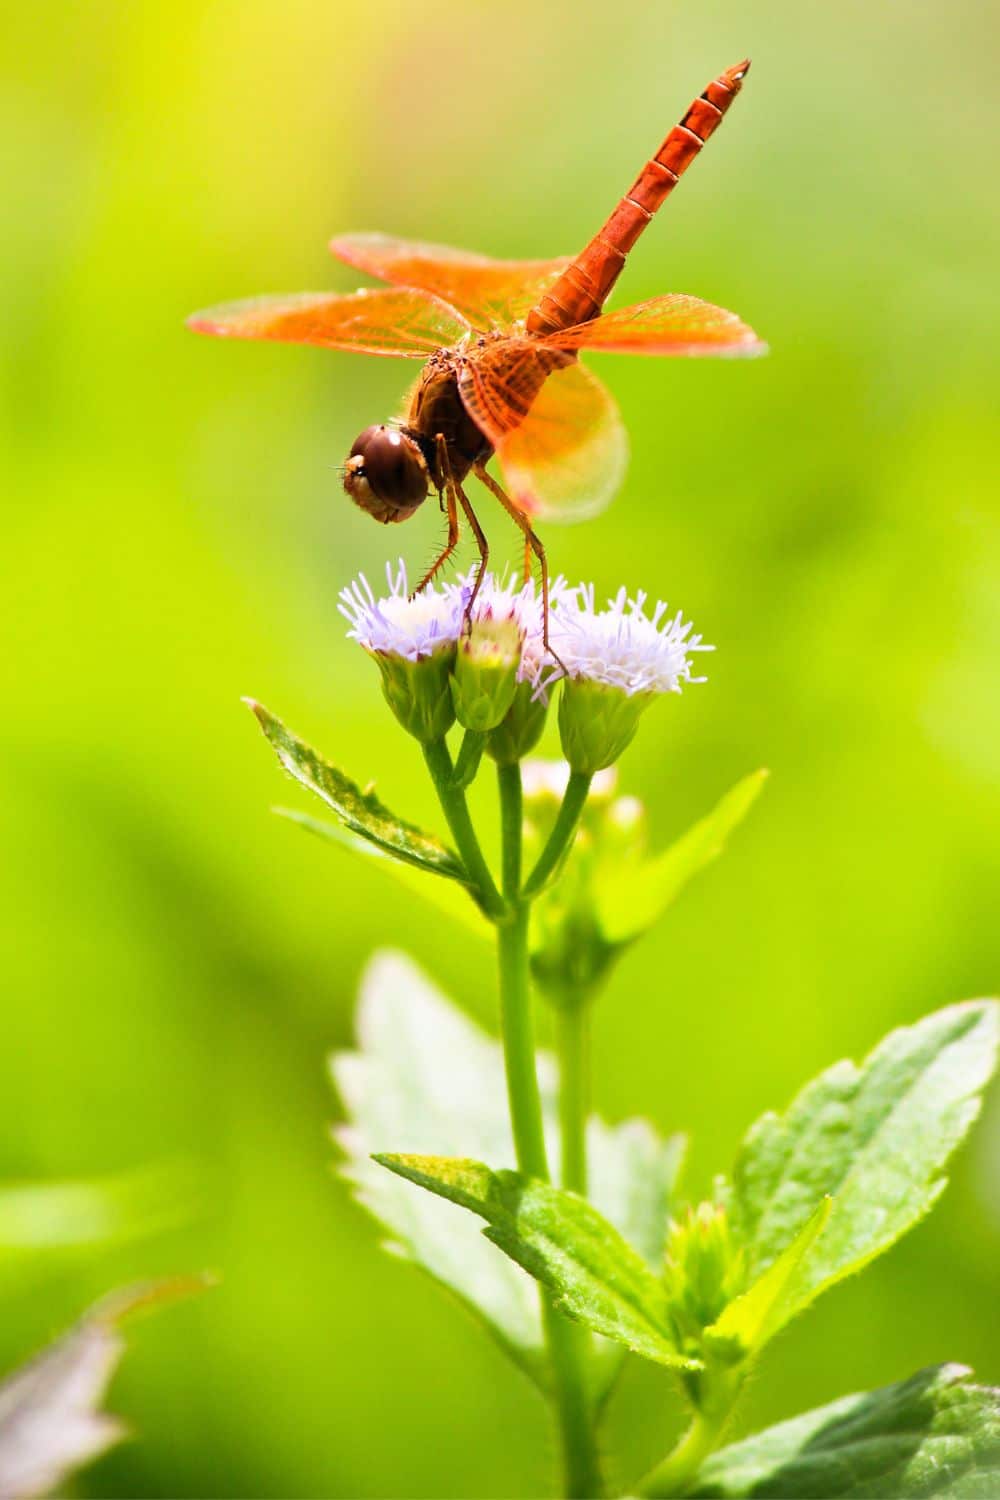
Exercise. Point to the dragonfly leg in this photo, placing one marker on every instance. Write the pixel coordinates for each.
(484, 551)
(532, 543)
(526, 576)
(451, 508)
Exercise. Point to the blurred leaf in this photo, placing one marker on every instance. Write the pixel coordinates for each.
(428, 1078)
(753, 1318)
(593, 1274)
(929, 1435)
(632, 901)
(60, 1215)
(360, 812)
(50, 1421)
(440, 894)
(876, 1137)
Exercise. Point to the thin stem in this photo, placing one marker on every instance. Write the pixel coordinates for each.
(562, 832)
(573, 1041)
(677, 1471)
(470, 753)
(519, 1047)
(567, 1343)
(456, 811)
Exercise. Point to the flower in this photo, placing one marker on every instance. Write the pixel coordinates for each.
(410, 626)
(521, 728)
(484, 681)
(413, 639)
(622, 646)
(615, 662)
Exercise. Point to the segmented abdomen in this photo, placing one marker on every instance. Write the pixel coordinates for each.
(583, 287)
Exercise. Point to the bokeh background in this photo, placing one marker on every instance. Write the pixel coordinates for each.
(177, 962)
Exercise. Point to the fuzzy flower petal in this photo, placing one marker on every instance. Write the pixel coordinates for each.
(623, 646)
(398, 625)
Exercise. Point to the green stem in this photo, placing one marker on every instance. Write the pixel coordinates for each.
(573, 1043)
(562, 832)
(677, 1471)
(567, 1342)
(470, 753)
(456, 811)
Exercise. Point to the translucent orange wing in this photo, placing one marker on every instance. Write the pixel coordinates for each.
(554, 425)
(403, 322)
(490, 293)
(675, 324)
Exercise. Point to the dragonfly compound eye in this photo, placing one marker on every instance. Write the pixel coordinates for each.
(386, 474)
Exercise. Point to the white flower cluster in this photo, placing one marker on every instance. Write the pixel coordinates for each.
(621, 646)
(415, 627)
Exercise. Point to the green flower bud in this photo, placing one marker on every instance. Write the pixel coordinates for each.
(485, 675)
(704, 1272)
(597, 722)
(419, 692)
(521, 729)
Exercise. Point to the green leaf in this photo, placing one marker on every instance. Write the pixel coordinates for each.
(426, 1078)
(361, 812)
(561, 1240)
(753, 1318)
(875, 1137)
(50, 1417)
(632, 903)
(929, 1435)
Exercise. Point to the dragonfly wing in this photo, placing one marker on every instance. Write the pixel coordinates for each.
(490, 293)
(404, 322)
(554, 425)
(675, 324)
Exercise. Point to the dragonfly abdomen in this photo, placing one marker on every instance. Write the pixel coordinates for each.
(583, 288)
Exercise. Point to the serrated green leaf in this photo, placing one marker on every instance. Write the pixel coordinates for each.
(362, 813)
(632, 903)
(425, 1077)
(931, 1435)
(875, 1137)
(560, 1239)
(753, 1318)
(50, 1417)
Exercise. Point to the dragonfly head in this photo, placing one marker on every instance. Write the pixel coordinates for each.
(386, 474)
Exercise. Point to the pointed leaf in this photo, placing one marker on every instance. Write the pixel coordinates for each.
(592, 1273)
(931, 1435)
(753, 1318)
(876, 1137)
(50, 1417)
(632, 903)
(427, 1078)
(361, 812)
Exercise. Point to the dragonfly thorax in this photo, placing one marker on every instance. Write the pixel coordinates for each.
(386, 474)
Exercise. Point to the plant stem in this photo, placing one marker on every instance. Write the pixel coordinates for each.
(470, 753)
(567, 1343)
(573, 1043)
(456, 811)
(519, 1047)
(562, 832)
(674, 1475)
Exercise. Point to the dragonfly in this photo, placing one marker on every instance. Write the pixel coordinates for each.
(500, 341)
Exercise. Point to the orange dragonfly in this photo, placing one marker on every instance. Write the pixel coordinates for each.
(500, 341)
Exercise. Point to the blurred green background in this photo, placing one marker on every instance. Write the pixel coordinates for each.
(177, 962)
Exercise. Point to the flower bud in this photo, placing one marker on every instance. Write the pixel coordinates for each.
(522, 727)
(419, 692)
(704, 1272)
(485, 675)
(597, 722)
